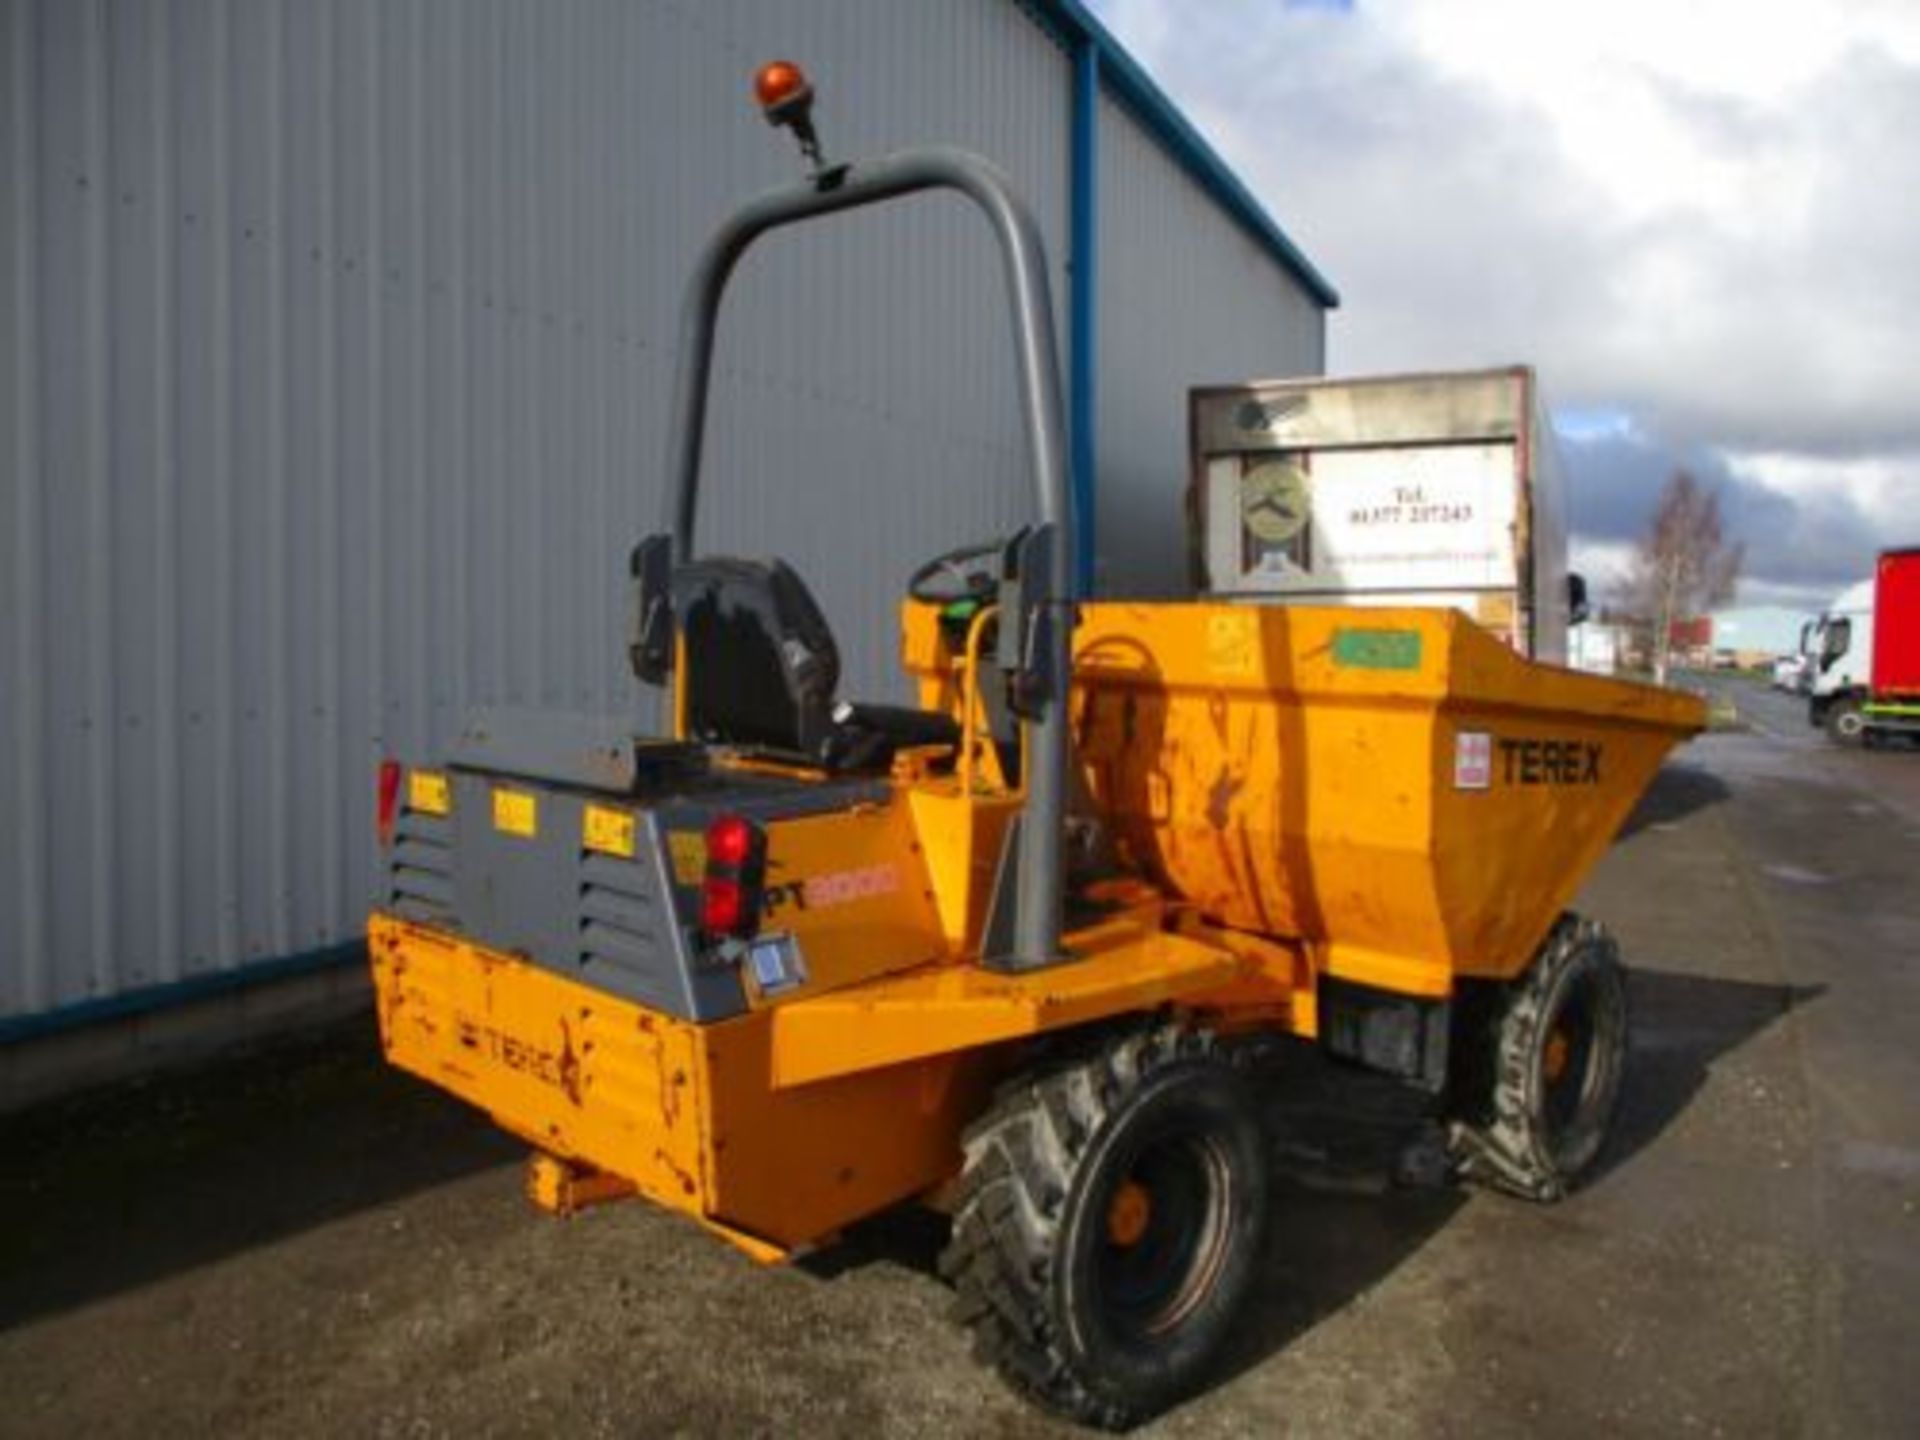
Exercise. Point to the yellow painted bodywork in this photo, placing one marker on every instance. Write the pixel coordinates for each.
(1283, 791)
(1291, 771)
(689, 1114)
(855, 888)
(1121, 966)
(961, 835)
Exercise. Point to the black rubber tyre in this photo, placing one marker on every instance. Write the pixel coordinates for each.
(1110, 1220)
(1552, 1051)
(1847, 723)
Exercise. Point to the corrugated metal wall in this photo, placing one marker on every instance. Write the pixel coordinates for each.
(334, 348)
(1187, 297)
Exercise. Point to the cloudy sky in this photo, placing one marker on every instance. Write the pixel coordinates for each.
(1701, 220)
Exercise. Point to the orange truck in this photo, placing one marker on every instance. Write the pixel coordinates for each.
(781, 960)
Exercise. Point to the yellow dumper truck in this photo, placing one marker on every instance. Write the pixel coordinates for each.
(792, 960)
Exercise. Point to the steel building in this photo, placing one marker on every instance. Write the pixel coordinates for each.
(334, 347)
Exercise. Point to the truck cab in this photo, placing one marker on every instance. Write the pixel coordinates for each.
(1841, 646)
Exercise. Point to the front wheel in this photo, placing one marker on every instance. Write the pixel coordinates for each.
(1551, 1051)
(1847, 723)
(1111, 1217)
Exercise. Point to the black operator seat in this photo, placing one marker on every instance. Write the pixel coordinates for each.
(762, 669)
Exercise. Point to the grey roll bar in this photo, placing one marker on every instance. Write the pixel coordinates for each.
(1047, 591)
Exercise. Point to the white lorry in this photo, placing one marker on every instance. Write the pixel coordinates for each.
(1433, 489)
(1866, 656)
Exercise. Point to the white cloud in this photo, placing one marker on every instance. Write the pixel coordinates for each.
(1607, 564)
(1704, 218)
(1731, 46)
(1887, 487)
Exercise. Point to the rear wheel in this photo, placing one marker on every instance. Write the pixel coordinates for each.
(1110, 1219)
(1552, 1054)
(1847, 723)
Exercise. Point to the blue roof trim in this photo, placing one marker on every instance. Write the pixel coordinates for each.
(1123, 76)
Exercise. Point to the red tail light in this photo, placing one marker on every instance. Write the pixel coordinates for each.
(388, 810)
(730, 841)
(723, 904)
(736, 869)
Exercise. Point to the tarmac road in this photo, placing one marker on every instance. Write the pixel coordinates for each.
(1780, 717)
(302, 1244)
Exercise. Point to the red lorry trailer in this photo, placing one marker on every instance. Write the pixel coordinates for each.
(1867, 684)
(1896, 632)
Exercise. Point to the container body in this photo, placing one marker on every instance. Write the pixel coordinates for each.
(1394, 788)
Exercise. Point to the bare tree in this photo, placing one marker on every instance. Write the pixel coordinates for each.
(1685, 564)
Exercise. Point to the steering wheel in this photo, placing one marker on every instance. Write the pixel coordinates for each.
(971, 572)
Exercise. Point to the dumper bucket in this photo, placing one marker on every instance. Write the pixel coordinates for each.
(1394, 788)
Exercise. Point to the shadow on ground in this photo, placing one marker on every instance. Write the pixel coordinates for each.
(1677, 792)
(116, 1189)
(1343, 1215)
(1682, 1024)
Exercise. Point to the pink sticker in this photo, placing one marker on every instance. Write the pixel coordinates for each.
(1472, 760)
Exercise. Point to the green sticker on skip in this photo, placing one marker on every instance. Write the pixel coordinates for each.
(1377, 649)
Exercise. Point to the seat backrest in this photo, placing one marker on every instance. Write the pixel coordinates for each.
(761, 663)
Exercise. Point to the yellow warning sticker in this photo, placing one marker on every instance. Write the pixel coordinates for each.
(688, 849)
(1233, 644)
(1494, 610)
(516, 812)
(427, 792)
(608, 831)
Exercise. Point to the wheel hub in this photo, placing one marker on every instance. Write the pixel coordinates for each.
(1129, 1213)
(1165, 1229)
(1559, 1050)
(1567, 1057)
